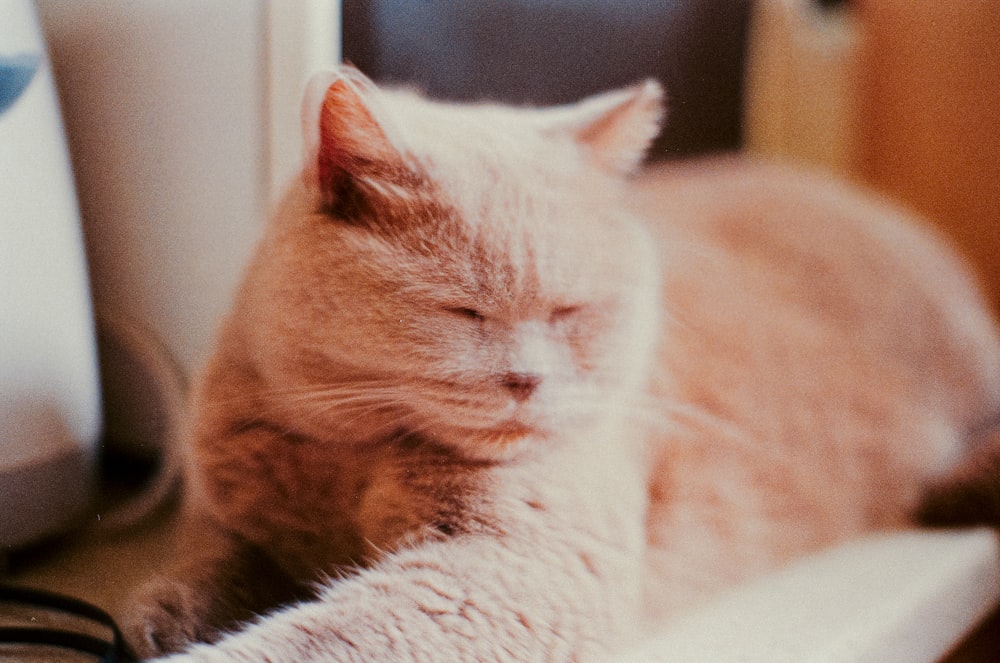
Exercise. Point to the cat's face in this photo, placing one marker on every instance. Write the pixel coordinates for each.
(474, 281)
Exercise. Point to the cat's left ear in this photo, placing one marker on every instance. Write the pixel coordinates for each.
(343, 142)
(616, 127)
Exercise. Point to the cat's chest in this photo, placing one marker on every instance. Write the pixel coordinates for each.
(412, 490)
(314, 505)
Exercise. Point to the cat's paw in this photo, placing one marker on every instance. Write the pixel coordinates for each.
(165, 618)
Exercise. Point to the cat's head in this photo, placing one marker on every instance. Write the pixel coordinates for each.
(464, 272)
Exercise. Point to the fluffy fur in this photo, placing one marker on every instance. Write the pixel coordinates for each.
(481, 397)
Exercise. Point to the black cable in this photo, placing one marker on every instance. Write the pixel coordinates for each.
(107, 652)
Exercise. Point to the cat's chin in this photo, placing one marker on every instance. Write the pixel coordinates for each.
(499, 443)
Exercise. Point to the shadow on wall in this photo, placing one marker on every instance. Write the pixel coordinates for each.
(541, 52)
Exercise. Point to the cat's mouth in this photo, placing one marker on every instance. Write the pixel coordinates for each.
(504, 440)
(509, 430)
(497, 441)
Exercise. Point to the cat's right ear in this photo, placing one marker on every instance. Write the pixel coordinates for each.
(614, 128)
(343, 142)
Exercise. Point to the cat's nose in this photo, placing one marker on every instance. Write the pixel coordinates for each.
(521, 385)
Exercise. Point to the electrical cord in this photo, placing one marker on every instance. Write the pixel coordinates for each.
(106, 651)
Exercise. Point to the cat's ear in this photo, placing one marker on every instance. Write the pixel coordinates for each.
(343, 141)
(617, 127)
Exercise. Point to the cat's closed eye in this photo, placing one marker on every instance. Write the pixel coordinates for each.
(557, 314)
(560, 313)
(465, 312)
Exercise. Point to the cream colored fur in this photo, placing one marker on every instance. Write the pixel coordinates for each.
(482, 398)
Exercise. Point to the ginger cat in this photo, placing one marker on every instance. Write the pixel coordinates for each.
(484, 397)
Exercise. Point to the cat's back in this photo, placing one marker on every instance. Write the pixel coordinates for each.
(805, 224)
(754, 249)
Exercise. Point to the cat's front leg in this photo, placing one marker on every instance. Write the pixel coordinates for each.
(220, 583)
(544, 595)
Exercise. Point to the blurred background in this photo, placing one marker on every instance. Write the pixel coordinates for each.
(558, 51)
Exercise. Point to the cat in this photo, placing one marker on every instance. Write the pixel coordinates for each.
(486, 393)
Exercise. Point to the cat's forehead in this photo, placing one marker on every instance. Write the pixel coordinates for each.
(484, 153)
(519, 239)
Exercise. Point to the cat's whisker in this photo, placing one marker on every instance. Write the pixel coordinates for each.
(305, 393)
(359, 408)
(730, 438)
(347, 392)
(385, 415)
(646, 413)
(341, 404)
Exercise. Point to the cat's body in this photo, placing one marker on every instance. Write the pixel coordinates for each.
(512, 421)
(832, 357)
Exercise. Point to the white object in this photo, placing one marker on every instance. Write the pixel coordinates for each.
(183, 120)
(49, 394)
(906, 597)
